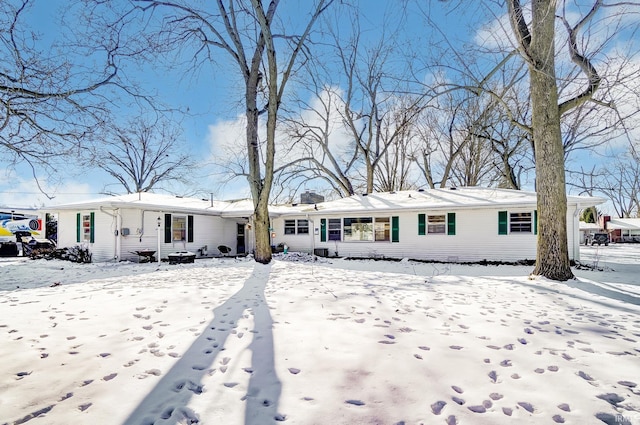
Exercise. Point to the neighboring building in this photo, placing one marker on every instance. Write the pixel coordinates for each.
(455, 225)
(623, 229)
(587, 230)
(466, 224)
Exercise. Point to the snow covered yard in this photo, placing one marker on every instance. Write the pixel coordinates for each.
(226, 341)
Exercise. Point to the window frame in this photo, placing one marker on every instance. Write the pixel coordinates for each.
(357, 229)
(302, 226)
(334, 229)
(386, 229)
(523, 223)
(181, 231)
(437, 224)
(290, 227)
(298, 226)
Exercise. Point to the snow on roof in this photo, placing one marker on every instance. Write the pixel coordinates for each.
(624, 223)
(589, 226)
(146, 200)
(446, 198)
(162, 202)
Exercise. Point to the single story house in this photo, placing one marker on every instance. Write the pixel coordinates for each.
(463, 224)
(624, 229)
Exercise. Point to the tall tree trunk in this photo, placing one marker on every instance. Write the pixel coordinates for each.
(552, 259)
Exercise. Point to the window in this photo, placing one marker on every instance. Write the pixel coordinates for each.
(335, 229)
(520, 222)
(85, 229)
(289, 227)
(382, 229)
(179, 226)
(303, 227)
(436, 224)
(358, 229)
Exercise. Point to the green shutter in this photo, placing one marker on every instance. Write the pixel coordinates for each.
(323, 230)
(422, 224)
(189, 228)
(535, 222)
(78, 227)
(92, 228)
(167, 228)
(451, 223)
(502, 223)
(395, 229)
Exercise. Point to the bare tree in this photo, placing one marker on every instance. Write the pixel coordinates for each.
(143, 155)
(319, 148)
(246, 33)
(49, 104)
(353, 133)
(620, 182)
(536, 44)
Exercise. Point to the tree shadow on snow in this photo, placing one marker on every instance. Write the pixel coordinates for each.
(167, 403)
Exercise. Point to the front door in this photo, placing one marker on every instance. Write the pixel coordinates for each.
(240, 239)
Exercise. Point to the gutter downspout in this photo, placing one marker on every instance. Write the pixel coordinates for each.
(313, 236)
(116, 233)
(576, 234)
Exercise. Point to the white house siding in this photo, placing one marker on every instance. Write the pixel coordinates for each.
(104, 246)
(206, 232)
(142, 227)
(476, 238)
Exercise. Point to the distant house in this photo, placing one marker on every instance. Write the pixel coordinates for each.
(587, 230)
(466, 224)
(455, 225)
(624, 229)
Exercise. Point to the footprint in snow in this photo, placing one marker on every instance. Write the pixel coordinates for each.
(526, 406)
(437, 407)
(458, 400)
(109, 377)
(585, 376)
(84, 407)
(477, 409)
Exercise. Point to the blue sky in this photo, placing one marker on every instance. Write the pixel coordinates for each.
(212, 97)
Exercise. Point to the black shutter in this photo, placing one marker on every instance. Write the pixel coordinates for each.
(167, 228)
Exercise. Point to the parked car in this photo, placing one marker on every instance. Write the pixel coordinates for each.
(600, 238)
